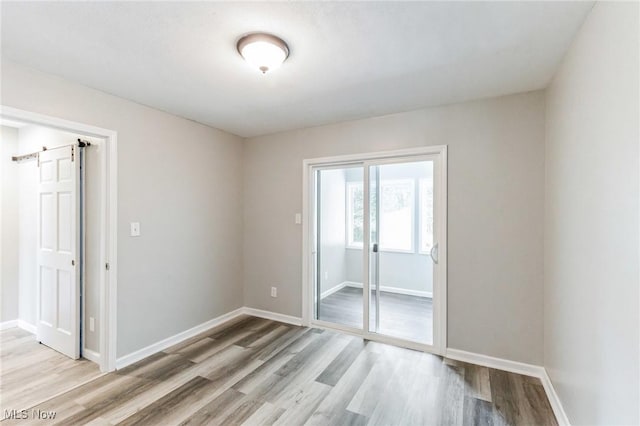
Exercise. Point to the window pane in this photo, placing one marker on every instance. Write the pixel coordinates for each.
(358, 214)
(355, 214)
(426, 214)
(396, 215)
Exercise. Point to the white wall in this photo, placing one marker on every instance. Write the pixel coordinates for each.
(9, 241)
(591, 221)
(31, 139)
(182, 181)
(406, 271)
(495, 213)
(332, 225)
(27, 185)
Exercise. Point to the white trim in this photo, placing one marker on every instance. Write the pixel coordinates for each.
(382, 338)
(385, 288)
(358, 158)
(288, 319)
(307, 248)
(366, 254)
(440, 235)
(554, 400)
(27, 326)
(92, 356)
(406, 291)
(8, 324)
(334, 289)
(497, 363)
(109, 241)
(19, 324)
(519, 368)
(163, 344)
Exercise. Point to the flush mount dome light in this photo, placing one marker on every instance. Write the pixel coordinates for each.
(263, 51)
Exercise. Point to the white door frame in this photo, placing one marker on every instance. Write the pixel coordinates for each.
(440, 276)
(109, 226)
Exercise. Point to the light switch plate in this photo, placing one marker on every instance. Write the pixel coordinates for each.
(298, 219)
(135, 229)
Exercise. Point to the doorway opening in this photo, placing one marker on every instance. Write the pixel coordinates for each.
(58, 195)
(375, 246)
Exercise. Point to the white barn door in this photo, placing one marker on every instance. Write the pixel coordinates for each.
(58, 313)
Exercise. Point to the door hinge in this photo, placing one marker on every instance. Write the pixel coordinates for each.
(106, 266)
(73, 263)
(73, 152)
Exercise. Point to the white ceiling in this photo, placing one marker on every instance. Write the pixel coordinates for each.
(348, 59)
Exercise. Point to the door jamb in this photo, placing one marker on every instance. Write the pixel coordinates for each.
(109, 226)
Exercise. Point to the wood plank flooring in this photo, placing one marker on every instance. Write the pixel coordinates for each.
(261, 372)
(401, 315)
(31, 372)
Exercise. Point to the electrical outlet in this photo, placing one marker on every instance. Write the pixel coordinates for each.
(298, 219)
(274, 292)
(92, 324)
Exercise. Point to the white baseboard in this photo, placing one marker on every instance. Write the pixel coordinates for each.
(27, 326)
(288, 319)
(8, 324)
(408, 292)
(518, 368)
(20, 324)
(333, 290)
(385, 288)
(497, 363)
(554, 400)
(175, 339)
(92, 356)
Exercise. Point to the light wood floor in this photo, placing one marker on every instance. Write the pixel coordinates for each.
(401, 315)
(31, 372)
(258, 372)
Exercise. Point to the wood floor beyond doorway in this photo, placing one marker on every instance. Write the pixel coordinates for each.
(257, 371)
(403, 316)
(31, 372)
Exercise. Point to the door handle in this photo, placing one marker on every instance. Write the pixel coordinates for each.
(375, 247)
(434, 253)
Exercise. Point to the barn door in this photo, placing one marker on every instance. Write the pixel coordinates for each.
(58, 313)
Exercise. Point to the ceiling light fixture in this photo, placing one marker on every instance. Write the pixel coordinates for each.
(263, 51)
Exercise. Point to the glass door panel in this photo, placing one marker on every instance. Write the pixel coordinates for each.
(401, 268)
(339, 237)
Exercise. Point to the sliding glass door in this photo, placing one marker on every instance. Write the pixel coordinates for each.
(339, 237)
(401, 229)
(377, 226)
